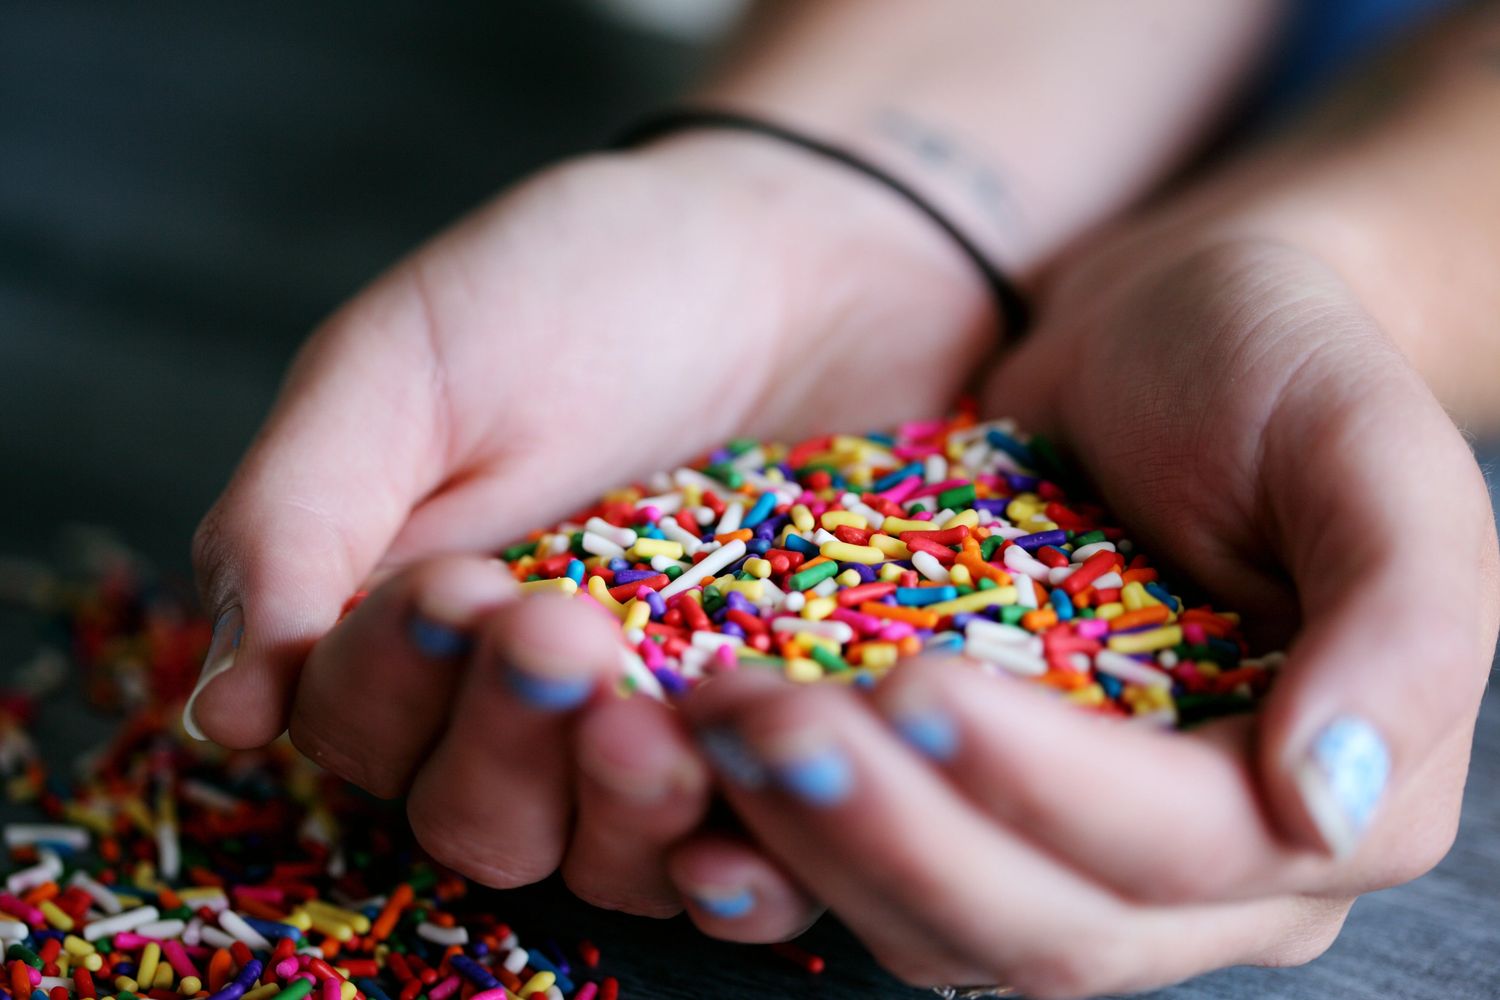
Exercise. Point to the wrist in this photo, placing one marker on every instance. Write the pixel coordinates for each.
(854, 263)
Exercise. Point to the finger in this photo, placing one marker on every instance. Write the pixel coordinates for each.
(493, 799)
(352, 442)
(734, 892)
(1097, 792)
(1382, 686)
(867, 826)
(641, 787)
(374, 693)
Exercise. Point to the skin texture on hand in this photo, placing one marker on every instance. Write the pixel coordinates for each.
(610, 318)
(1245, 416)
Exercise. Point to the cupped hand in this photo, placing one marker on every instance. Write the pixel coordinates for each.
(608, 318)
(1243, 415)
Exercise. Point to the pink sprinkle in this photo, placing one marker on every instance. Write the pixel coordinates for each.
(586, 991)
(936, 488)
(725, 660)
(287, 967)
(1193, 633)
(864, 624)
(902, 490)
(438, 992)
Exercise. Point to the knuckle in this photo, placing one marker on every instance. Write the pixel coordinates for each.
(483, 859)
(1064, 973)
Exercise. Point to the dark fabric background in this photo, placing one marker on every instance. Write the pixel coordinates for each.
(185, 189)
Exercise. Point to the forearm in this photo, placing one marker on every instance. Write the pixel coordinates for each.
(1027, 122)
(1397, 183)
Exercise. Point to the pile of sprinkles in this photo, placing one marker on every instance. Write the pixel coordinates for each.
(163, 868)
(838, 557)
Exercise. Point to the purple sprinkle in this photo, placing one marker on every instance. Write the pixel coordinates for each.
(669, 679)
(633, 575)
(1035, 541)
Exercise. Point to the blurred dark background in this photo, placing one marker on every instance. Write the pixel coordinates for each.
(186, 189)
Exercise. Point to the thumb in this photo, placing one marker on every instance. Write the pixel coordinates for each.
(1368, 729)
(348, 448)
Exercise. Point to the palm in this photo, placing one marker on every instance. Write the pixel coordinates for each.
(575, 342)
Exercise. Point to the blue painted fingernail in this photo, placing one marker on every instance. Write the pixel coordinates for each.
(729, 755)
(726, 907)
(930, 732)
(822, 778)
(435, 639)
(550, 694)
(1342, 780)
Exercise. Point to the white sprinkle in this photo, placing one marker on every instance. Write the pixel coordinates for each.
(1131, 671)
(48, 869)
(1057, 574)
(826, 588)
(119, 923)
(598, 545)
(1108, 581)
(13, 930)
(711, 641)
(516, 960)
(637, 671)
(667, 503)
(795, 601)
(1084, 551)
(162, 929)
(927, 564)
(215, 938)
(102, 897)
(1012, 658)
(837, 631)
(676, 532)
(991, 632)
(1019, 560)
(445, 936)
(26, 834)
(734, 513)
(710, 566)
(934, 469)
(235, 925)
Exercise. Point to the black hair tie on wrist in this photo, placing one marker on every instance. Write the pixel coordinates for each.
(1012, 307)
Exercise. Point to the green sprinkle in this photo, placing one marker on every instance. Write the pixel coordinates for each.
(726, 474)
(25, 954)
(1011, 614)
(957, 497)
(990, 546)
(813, 575)
(518, 550)
(575, 545)
(673, 572)
(829, 660)
(987, 583)
(1089, 538)
(295, 990)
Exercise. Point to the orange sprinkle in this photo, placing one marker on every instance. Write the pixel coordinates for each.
(1151, 614)
(900, 613)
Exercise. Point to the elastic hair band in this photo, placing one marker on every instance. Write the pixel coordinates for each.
(1012, 306)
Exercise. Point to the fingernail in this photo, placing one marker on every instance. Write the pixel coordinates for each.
(725, 907)
(228, 631)
(435, 639)
(732, 758)
(1342, 779)
(820, 777)
(929, 731)
(547, 692)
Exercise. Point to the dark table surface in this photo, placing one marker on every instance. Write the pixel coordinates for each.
(186, 189)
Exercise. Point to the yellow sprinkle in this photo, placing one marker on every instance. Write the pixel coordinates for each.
(1020, 510)
(974, 602)
(844, 552)
(819, 608)
(560, 585)
(896, 525)
(890, 572)
(150, 956)
(894, 548)
(125, 984)
(56, 917)
(752, 589)
(538, 983)
(329, 926)
(1135, 597)
(848, 578)
(1113, 609)
(637, 614)
(77, 946)
(843, 519)
(190, 985)
(93, 962)
(263, 992)
(758, 568)
(878, 654)
(1092, 695)
(645, 548)
(163, 978)
(803, 671)
(802, 518)
(347, 990)
(959, 576)
(1144, 642)
(600, 592)
(963, 519)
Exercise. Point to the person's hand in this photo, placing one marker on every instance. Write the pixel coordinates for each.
(607, 319)
(1246, 419)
